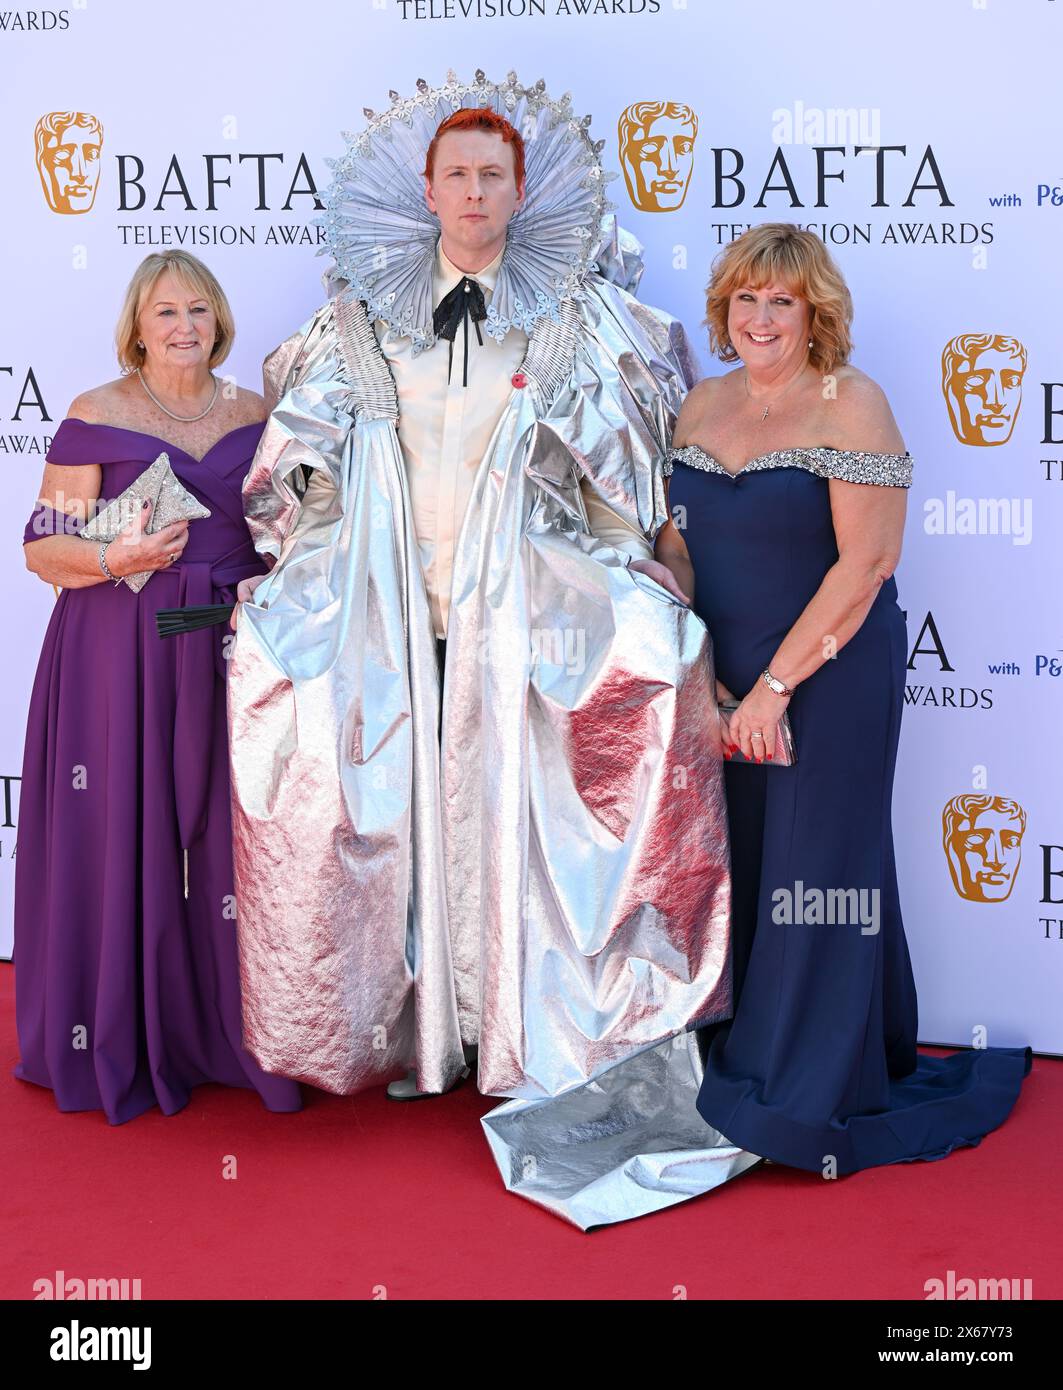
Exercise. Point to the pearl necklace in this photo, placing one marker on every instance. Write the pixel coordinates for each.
(184, 419)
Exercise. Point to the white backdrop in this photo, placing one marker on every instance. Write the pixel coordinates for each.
(972, 250)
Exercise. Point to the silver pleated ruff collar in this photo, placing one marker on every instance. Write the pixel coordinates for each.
(382, 235)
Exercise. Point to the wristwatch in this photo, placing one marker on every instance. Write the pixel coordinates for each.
(773, 683)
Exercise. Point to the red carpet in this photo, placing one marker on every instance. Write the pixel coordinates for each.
(354, 1196)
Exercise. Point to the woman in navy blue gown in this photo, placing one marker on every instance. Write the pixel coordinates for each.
(787, 494)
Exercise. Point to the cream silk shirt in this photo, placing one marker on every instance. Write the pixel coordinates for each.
(444, 429)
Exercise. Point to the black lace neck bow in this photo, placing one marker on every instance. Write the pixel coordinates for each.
(465, 301)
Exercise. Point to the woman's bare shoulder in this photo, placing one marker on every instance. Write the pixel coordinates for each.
(698, 404)
(99, 404)
(249, 406)
(859, 414)
(707, 388)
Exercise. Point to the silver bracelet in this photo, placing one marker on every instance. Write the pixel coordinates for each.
(103, 563)
(774, 683)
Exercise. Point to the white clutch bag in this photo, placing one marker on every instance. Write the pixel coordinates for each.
(173, 502)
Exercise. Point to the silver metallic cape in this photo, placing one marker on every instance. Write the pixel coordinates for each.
(550, 879)
(629, 1143)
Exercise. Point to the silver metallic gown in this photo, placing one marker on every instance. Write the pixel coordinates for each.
(549, 878)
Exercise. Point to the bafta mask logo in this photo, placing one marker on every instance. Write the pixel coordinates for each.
(981, 376)
(68, 159)
(657, 153)
(983, 845)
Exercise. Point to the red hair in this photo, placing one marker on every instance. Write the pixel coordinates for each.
(480, 118)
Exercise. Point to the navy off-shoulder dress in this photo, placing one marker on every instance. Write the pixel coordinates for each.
(818, 1068)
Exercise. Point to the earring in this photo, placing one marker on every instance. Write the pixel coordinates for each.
(140, 345)
(810, 342)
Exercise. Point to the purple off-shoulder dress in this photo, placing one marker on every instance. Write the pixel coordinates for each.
(127, 992)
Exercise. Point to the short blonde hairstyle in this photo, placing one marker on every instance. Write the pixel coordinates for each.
(780, 251)
(193, 275)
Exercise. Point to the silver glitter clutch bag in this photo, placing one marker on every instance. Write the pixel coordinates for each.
(173, 502)
(784, 753)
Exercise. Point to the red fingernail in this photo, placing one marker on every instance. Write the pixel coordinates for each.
(760, 760)
(727, 756)
(770, 756)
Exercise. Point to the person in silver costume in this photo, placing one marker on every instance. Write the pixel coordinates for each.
(476, 761)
